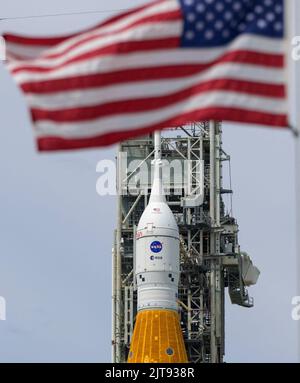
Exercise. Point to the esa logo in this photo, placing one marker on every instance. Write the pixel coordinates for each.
(155, 258)
(156, 247)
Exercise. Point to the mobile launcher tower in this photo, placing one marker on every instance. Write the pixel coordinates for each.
(176, 249)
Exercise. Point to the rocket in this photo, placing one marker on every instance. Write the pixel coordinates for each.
(157, 335)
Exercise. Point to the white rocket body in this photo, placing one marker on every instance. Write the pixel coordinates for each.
(157, 248)
(157, 275)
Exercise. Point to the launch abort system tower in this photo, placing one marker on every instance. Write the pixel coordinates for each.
(210, 256)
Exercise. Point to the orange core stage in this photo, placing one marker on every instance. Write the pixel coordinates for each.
(157, 338)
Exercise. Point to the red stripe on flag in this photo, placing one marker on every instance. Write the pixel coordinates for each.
(155, 103)
(229, 114)
(32, 41)
(112, 78)
(117, 49)
(245, 57)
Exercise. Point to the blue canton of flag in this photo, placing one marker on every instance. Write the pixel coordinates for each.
(212, 23)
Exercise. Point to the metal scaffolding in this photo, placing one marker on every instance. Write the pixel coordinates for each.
(211, 259)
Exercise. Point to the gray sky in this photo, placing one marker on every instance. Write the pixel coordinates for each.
(56, 232)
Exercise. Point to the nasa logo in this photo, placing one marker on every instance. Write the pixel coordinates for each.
(156, 247)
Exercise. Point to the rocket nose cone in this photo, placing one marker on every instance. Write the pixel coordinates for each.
(159, 215)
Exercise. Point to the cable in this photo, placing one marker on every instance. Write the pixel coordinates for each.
(62, 14)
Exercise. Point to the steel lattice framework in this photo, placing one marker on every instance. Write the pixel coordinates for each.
(210, 254)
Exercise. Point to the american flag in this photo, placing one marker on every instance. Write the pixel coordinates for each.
(165, 64)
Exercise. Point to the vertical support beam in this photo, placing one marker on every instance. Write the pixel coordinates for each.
(216, 275)
(134, 257)
(189, 189)
(118, 266)
(113, 288)
(126, 312)
(189, 236)
(131, 311)
(212, 211)
(219, 270)
(189, 313)
(218, 176)
(157, 145)
(212, 156)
